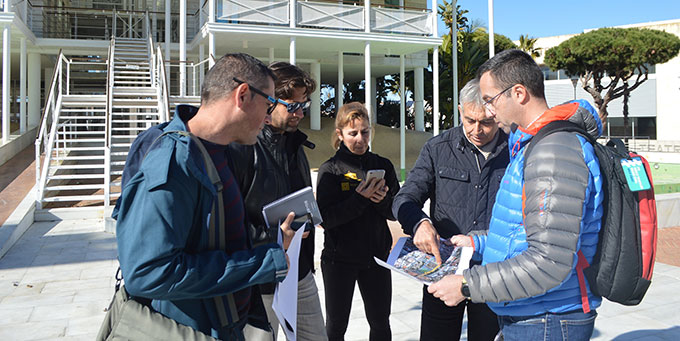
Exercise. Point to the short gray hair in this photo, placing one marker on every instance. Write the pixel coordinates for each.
(219, 81)
(470, 93)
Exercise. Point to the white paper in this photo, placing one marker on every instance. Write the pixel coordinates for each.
(285, 295)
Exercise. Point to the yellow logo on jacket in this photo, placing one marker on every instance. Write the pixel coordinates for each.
(351, 176)
(345, 185)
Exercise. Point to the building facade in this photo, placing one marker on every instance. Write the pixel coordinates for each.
(336, 41)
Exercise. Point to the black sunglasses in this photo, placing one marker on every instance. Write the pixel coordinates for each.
(272, 100)
(294, 106)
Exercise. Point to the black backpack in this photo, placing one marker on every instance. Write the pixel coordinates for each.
(622, 267)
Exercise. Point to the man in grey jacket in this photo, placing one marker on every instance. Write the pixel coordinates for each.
(546, 218)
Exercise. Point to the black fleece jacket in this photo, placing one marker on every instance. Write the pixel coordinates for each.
(355, 228)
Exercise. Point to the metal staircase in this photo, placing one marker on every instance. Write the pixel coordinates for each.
(134, 99)
(77, 171)
(84, 138)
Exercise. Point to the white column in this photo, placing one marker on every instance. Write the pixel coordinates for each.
(367, 80)
(315, 112)
(402, 119)
(201, 73)
(154, 20)
(435, 91)
(418, 97)
(168, 40)
(291, 51)
(34, 89)
(211, 35)
(271, 55)
(374, 100)
(292, 13)
(22, 87)
(492, 51)
(367, 15)
(433, 7)
(182, 47)
(6, 68)
(24, 9)
(339, 90)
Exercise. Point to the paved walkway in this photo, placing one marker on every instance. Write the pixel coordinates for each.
(57, 280)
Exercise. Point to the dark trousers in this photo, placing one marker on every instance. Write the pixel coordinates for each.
(375, 285)
(441, 322)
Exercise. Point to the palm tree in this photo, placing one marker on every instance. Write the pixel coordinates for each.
(526, 44)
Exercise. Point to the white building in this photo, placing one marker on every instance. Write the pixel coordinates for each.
(86, 95)
(654, 107)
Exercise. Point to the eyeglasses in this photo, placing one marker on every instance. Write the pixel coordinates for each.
(489, 104)
(295, 106)
(272, 101)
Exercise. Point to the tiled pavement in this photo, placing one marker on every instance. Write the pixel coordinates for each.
(57, 280)
(668, 246)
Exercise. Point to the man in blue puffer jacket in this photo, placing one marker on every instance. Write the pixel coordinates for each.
(548, 208)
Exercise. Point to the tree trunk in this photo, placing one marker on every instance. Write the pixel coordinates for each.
(626, 94)
(602, 111)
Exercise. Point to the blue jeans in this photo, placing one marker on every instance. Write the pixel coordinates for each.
(571, 326)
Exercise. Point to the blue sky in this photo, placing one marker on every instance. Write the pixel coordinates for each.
(542, 18)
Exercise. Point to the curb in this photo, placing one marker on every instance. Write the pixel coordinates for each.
(18, 222)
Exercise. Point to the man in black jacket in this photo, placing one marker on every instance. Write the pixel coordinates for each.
(459, 171)
(274, 167)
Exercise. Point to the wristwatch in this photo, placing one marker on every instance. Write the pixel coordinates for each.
(465, 289)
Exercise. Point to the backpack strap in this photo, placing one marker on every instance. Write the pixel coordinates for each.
(581, 264)
(554, 127)
(217, 232)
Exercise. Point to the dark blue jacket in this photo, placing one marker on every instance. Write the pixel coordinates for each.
(461, 190)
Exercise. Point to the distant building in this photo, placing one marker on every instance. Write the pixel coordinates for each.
(654, 107)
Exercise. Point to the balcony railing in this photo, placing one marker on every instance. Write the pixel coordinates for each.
(98, 23)
(253, 11)
(400, 21)
(330, 15)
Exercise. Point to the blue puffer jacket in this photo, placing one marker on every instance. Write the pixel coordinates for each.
(162, 235)
(545, 212)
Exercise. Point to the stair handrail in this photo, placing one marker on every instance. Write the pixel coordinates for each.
(163, 101)
(109, 89)
(196, 81)
(152, 57)
(50, 111)
(107, 121)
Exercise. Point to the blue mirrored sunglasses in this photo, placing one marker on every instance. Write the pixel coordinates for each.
(294, 106)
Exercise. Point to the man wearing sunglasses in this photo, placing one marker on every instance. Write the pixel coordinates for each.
(166, 245)
(274, 167)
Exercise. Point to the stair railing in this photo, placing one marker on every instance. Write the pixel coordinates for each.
(198, 72)
(44, 142)
(150, 49)
(163, 102)
(108, 122)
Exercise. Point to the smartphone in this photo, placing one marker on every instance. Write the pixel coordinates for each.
(375, 173)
